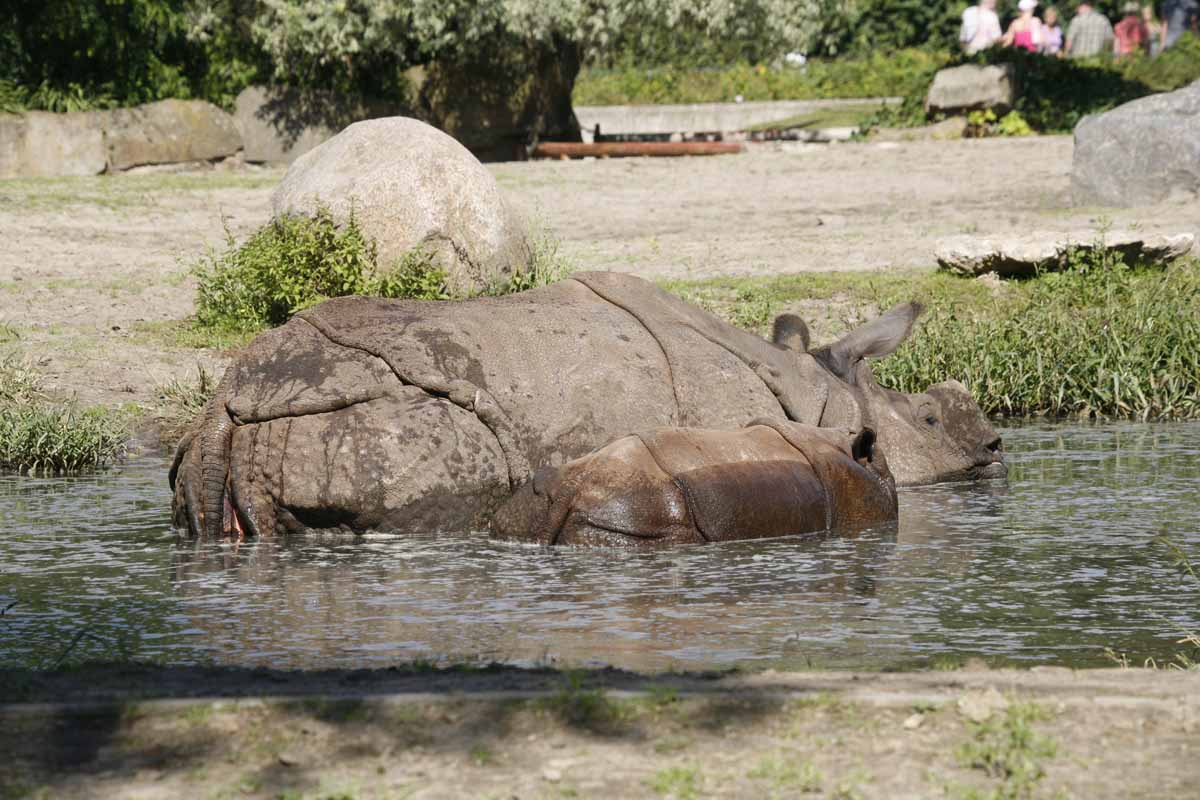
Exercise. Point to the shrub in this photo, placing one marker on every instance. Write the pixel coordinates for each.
(294, 262)
(900, 73)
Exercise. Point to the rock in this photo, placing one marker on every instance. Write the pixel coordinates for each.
(1139, 153)
(552, 775)
(979, 706)
(168, 132)
(41, 144)
(913, 722)
(1024, 256)
(289, 759)
(279, 124)
(409, 185)
(958, 90)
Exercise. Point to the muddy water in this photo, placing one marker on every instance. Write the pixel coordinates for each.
(1051, 567)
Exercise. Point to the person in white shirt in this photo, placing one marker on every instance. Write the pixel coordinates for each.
(980, 27)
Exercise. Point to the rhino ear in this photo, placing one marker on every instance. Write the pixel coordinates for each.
(790, 331)
(875, 339)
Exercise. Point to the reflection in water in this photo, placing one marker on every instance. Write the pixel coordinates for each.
(1051, 567)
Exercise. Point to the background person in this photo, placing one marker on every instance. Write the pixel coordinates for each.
(1178, 16)
(1130, 35)
(1052, 33)
(980, 27)
(1089, 34)
(1154, 28)
(1026, 30)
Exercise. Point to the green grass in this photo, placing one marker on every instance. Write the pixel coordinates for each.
(841, 116)
(1100, 339)
(1008, 749)
(116, 192)
(680, 783)
(787, 776)
(39, 435)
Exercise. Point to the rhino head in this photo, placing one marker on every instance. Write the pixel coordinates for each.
(938, 435)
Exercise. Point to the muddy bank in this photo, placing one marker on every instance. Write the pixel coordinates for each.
(544, 733)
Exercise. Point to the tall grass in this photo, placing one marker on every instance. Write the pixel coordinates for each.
(38, 435)
(1100, 339)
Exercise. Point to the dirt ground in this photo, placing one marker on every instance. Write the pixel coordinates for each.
(95, 281)
(1049, 732)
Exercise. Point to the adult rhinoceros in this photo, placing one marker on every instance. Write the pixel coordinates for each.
(363, 413)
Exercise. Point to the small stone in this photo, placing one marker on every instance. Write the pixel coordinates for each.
(914, 722)
(979, 706)
(552, 775)
(289, 759)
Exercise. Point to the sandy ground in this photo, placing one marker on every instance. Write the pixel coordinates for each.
(541, 734)
(94, 277)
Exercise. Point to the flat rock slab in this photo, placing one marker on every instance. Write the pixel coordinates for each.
(40, 144)
(1025, 256)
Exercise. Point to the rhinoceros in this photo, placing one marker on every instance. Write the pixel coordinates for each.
(369, 414)
(692, 485)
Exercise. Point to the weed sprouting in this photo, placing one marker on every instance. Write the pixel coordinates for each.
(785, 775)
(1006, 747)
(679, 782)
(583, 707)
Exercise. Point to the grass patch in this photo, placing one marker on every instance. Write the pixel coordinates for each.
(1007, 748)
(841, 116)
(898, 73)
(1101, 339)
(295, 262)
(118, 192)
(680, 782)
(38, 435)
(787, 776)
(179, 401)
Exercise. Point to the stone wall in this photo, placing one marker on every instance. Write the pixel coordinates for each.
(41, 144)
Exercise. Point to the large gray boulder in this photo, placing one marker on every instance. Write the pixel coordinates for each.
(958, 90)
(169, 132)
(41, 144)
(1024, 256)
(411, 186)
(1139, 153)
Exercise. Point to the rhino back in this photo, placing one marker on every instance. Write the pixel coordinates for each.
(566, 369)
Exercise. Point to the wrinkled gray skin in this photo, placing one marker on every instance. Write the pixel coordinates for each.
(367, 414)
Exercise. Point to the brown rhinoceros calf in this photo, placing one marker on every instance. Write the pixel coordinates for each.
(691, 485)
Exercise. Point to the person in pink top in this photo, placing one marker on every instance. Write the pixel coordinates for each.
(1026, 30)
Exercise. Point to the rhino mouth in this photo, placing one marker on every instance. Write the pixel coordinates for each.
(994, 470)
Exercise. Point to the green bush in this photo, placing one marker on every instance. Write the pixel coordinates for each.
(898, 73)
(294, 262)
